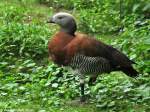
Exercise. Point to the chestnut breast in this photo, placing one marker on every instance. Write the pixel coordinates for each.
(56, 47)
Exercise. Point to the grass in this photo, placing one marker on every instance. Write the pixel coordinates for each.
(30, 108)
(70, 106)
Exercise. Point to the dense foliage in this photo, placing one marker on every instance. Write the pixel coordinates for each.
(29, 81)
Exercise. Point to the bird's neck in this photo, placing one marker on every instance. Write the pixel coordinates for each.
(71, 29)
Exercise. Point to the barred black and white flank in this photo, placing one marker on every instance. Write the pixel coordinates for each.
(90, 65)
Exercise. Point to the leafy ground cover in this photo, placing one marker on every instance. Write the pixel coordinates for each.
(29, 82)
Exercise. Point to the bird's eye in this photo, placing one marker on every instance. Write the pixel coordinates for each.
(60, 17)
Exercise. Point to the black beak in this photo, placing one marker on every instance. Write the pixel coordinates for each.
(50, 20)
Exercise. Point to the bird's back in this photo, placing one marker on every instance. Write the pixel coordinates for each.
(89, 46)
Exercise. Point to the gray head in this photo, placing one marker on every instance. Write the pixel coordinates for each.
(65, 20)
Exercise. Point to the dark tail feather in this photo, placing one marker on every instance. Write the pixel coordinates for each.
(130, 71)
